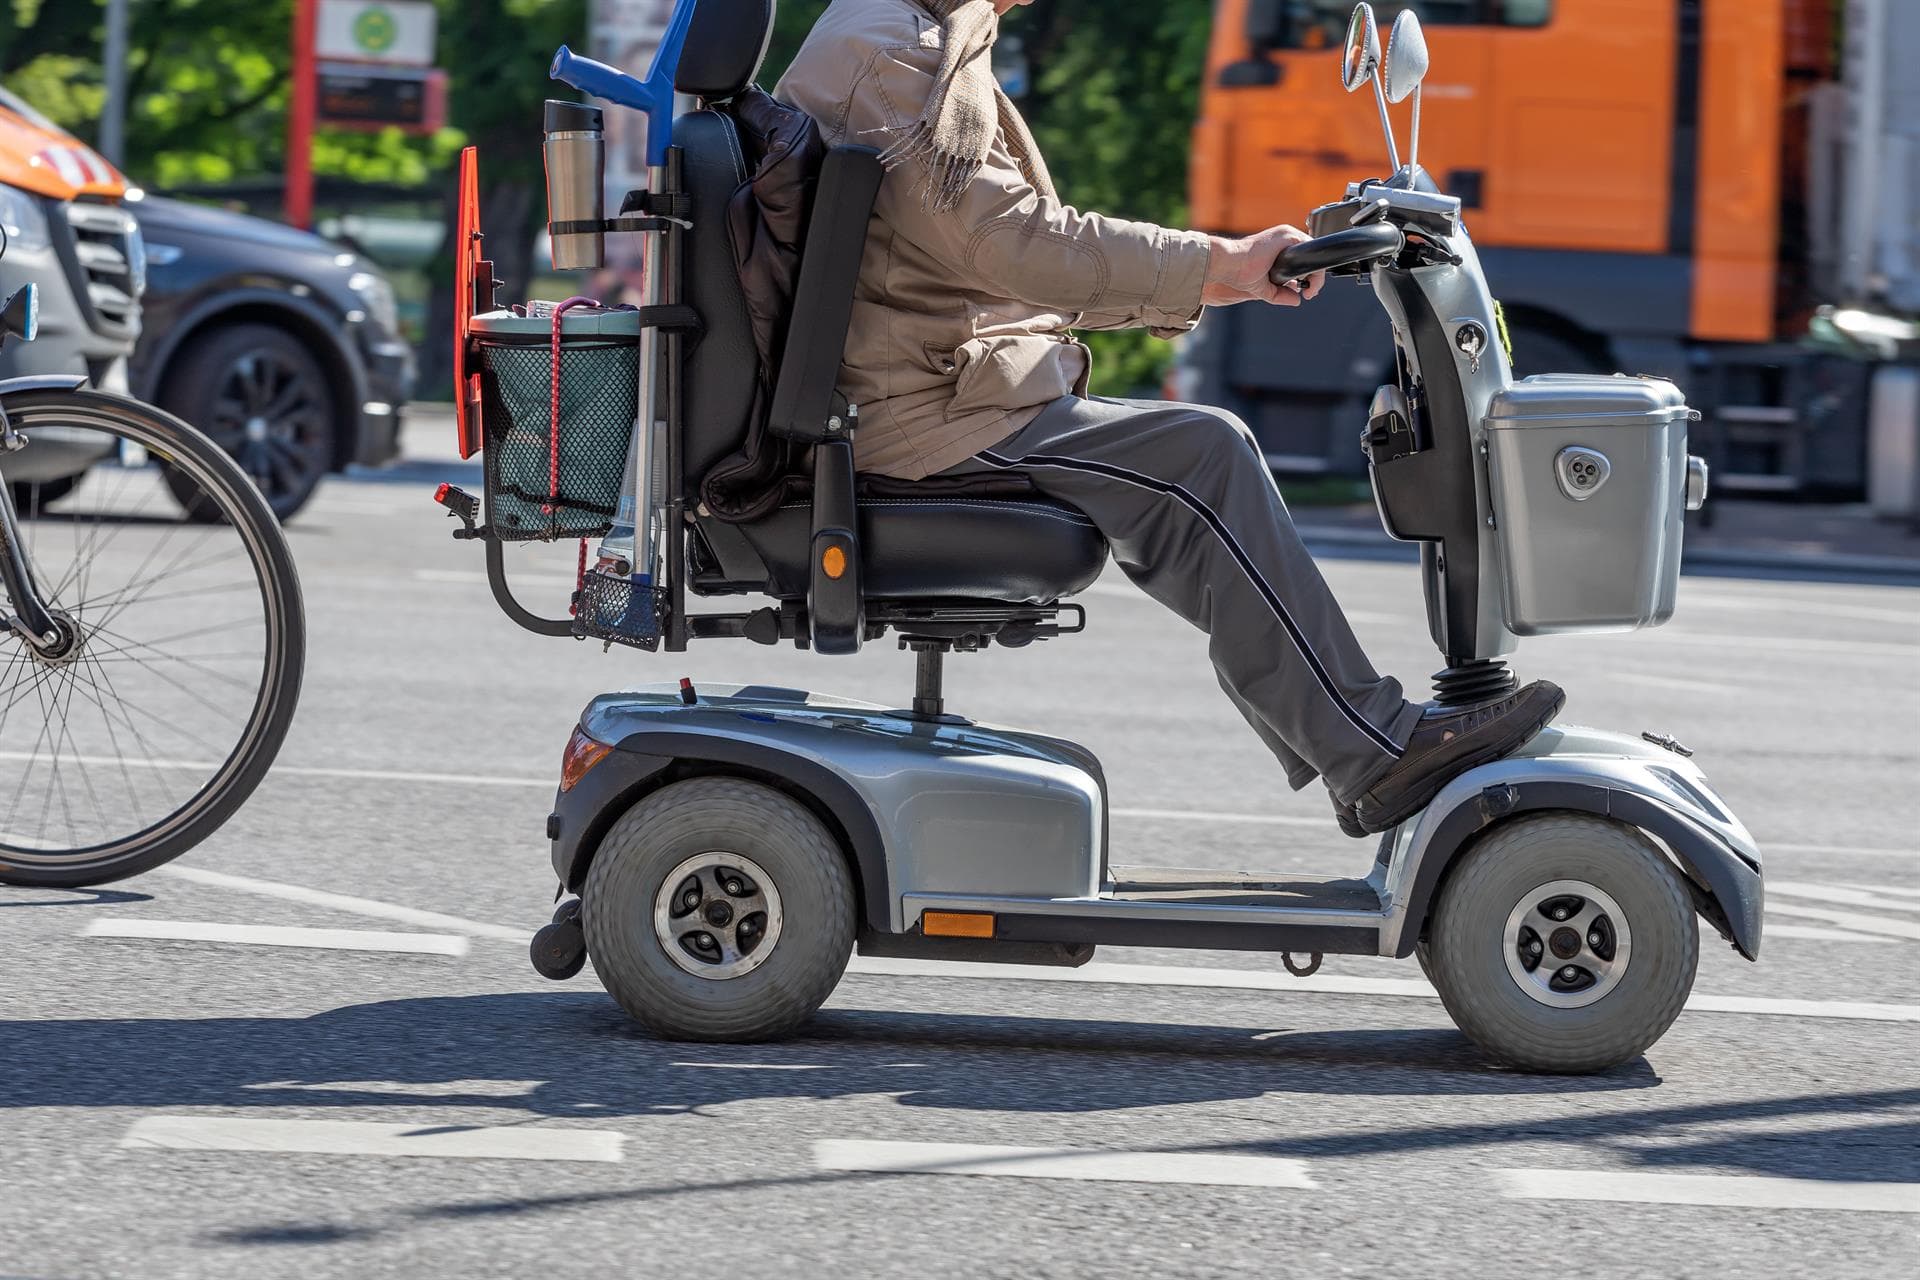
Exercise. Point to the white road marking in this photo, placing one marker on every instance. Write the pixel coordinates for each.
(1842, 850)
(1077, 1164)
(1772, 605)
(311, 771)
(1870, 888)
(757, 1066)
(345, 903)
(1155, 975)
(405, 1088)
(1229, 819)
(1776, 644)
(1734, 1192)
(1674, 682)
(1848, 920)
(1777, 930)
(261, 935)
(1843, 896)
(362, 1138)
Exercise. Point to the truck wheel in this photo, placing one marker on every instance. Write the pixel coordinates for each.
(1563, 943)
(262, 397)
(1543, 351)
(719, 909)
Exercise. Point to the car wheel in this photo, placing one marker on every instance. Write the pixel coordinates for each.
(263, 397)
(31, 497)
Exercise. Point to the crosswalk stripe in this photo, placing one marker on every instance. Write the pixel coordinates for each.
(1775, 929)
(363, 1138)
(259, 935)
(1843, 896)
(1078, 1164)
(1728, 1191)
(1848, 919)
(1158, 975)
(345, 903)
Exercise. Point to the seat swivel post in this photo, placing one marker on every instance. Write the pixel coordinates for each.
(928, 700)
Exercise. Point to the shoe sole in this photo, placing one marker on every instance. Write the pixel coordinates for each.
(1420, 798)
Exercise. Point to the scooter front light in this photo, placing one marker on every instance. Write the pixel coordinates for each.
(582, 754)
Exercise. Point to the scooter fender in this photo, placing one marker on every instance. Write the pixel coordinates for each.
(1635, 782)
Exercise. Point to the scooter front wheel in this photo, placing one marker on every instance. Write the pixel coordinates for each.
(1563, 943)
(719, 909)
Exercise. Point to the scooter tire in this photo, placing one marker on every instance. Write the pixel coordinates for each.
(1466, 943)
(798, 854)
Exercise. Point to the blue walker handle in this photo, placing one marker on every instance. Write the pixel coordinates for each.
(652, 96)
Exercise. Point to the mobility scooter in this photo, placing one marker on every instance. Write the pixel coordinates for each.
(730, 848)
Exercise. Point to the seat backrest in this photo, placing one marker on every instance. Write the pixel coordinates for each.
(722, 370)
(726, 43)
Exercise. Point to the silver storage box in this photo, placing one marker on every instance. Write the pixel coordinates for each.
(1588, 479)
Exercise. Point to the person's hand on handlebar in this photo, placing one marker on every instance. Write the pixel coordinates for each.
(1238, 271)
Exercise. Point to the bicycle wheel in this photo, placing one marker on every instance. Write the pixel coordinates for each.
(181, 650)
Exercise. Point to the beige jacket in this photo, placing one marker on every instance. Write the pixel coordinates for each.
(961, 320)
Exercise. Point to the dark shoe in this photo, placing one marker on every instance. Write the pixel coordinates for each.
(1449, 741)
(1349, 820)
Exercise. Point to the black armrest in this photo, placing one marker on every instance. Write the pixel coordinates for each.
(806, 405)
(836, 598)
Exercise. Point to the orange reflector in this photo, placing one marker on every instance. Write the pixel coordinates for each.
(834, 561)
(582, 754)
(956, 924)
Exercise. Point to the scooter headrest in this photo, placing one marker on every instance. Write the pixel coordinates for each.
(725, 46)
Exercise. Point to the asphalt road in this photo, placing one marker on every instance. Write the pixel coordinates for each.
(222, 1108)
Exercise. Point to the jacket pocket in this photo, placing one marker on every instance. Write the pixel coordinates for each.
(943, 357)
(1017, 371)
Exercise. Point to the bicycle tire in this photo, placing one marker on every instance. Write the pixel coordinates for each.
(181, 446)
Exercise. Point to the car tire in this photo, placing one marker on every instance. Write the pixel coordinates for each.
(259, 393)
(30, 499)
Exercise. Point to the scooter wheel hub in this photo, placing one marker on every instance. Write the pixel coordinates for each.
(1567, 944)
(717, 915)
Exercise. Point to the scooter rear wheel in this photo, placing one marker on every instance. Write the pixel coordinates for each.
(719, 909)
(1563, 943)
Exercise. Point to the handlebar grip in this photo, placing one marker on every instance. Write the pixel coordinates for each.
(599, 80)
(1341, 249)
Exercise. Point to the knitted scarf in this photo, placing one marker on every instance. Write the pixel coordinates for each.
(966, 111)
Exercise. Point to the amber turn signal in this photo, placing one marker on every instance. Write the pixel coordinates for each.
(834, 561)
(582, 754)
(957, 924)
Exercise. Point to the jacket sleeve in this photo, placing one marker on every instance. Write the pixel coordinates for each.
(1014, 240)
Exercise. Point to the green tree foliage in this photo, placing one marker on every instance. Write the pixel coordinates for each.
(1115, 91)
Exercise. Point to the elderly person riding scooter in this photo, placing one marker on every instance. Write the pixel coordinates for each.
(962, 359)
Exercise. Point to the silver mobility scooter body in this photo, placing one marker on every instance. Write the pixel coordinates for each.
(732, 846)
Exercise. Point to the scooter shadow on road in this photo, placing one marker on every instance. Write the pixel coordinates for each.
(575, 1055)
(78, 898)
(578, 1054)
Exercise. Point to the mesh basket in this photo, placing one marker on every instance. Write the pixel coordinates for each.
(619, 609)
(598, 392)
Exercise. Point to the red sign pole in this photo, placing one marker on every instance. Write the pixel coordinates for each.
(300, 116)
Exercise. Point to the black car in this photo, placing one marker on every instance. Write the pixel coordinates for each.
(279, 344)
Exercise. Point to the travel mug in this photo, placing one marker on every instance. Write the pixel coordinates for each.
(576, 156)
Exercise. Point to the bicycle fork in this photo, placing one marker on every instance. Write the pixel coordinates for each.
(43, 632)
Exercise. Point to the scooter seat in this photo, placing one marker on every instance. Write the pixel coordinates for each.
(949, 547)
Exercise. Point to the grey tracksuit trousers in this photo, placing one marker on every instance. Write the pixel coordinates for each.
(1193, 517)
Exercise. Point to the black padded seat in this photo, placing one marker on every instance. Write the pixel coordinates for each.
(1015, 551)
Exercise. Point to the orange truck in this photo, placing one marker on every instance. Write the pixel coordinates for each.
(1719, 191)
(62, 210)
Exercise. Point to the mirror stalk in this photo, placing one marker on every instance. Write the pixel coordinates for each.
(1386, 123)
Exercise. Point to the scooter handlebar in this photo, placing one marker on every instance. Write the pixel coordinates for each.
(1341, 249)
